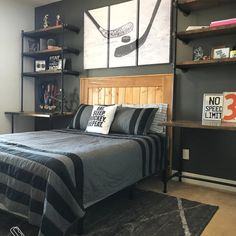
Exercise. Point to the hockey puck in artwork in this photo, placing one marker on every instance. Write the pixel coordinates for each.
(125, 39)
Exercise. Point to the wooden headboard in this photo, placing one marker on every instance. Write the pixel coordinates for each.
(140, 89)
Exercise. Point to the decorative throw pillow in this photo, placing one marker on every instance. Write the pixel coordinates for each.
(160, 116)
(133, 120)
(81, 117)
(101, 119)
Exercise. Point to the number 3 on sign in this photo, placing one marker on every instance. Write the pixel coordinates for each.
(229, 108)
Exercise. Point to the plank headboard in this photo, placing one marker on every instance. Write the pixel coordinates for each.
(140, 89)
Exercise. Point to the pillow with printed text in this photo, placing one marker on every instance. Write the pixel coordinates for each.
(101, 119)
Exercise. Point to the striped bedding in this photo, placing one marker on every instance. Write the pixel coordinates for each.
(50, 177)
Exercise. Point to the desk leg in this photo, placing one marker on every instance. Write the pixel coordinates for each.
(51, 122)
(12, 123)
(180, 167)
(166, 163)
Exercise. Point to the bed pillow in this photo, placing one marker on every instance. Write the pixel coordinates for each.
(160, 116)
(133, 120)
(101, 119)
(81, 117)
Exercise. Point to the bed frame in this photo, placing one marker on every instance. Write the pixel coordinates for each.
(138, 89)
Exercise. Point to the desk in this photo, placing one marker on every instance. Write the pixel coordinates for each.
(37, 114)
(182, 124)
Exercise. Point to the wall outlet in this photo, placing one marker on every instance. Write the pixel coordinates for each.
(185, 154)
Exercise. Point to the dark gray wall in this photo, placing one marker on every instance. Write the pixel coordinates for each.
(211, 152)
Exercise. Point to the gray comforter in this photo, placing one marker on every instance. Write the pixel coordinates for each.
(50, 177)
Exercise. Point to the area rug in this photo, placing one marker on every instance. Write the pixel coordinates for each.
(149, 213)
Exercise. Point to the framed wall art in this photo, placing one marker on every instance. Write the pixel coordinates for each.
(131, 33)
(96, 38)
(154, 32)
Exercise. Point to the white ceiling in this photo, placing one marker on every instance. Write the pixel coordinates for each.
(38, 3)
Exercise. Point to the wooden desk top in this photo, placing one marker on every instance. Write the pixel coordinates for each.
(39, 114)
(199, 125)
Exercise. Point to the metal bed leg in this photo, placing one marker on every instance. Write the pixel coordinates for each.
(165, 180)
(166, 164)
(131, 192)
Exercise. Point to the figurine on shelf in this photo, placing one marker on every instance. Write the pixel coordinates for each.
(46, 21)
(58, 20)
(198, 53)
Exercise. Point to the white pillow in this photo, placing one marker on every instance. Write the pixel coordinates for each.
(101, 119)
(160, 116)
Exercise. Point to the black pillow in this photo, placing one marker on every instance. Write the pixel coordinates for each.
(133, 120)
(81, 117)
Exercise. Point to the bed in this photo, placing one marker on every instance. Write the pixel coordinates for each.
(51, 177)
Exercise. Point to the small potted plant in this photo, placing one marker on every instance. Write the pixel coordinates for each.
(51, 43)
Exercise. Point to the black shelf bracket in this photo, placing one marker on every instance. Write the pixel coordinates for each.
(182, 9)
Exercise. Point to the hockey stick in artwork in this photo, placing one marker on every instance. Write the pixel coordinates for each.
(128, 48)
(114, 33)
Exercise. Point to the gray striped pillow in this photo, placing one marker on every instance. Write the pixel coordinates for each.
(160, 116)
(81, 117)
(133, 120)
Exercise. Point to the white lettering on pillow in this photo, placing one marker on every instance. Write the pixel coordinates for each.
(101, 119)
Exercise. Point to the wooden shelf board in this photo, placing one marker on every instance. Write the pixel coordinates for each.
(47, 52)
(192, 64)
(50, 73)
(187, 36)
(200, 125)
(39, 114)
(45, 32)
(192, 5)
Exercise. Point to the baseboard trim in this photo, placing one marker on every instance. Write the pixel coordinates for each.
(207, 184)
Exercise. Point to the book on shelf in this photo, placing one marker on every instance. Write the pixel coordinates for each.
(196, 27)
(223, 22)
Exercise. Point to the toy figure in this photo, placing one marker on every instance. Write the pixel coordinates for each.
(58, 20)
(46, 21)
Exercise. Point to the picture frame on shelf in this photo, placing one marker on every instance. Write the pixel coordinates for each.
(43, 44)
(233, 54)
(212, 107)
(54, 62)
(33, 45)
(220, 52)
(60, 64)
(40, 65)
(229, 109)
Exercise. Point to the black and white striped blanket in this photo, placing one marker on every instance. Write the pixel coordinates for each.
(51, 176)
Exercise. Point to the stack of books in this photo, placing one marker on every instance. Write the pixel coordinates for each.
(196, 27)
(223, 22)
